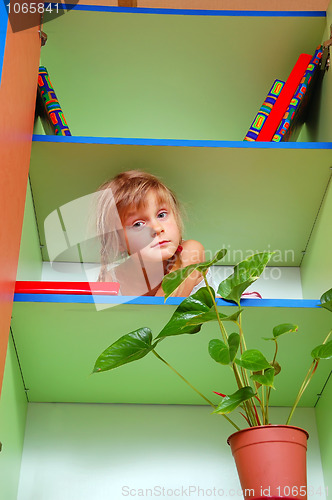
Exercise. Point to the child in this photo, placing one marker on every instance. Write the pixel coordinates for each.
(140, 230)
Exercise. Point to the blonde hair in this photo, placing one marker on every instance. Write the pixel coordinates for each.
(114, 199)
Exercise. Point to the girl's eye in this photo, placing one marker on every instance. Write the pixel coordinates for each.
(162, 214)
(138, 224)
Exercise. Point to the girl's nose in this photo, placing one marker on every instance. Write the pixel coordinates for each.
(156, 228)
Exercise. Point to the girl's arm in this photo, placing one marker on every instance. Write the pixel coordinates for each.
(192, 253)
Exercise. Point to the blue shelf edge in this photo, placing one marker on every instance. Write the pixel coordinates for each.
(189, 12)
(107, 299)
(179, 142)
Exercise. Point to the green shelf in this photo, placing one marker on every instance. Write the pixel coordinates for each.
(58, 343)
(240, 198)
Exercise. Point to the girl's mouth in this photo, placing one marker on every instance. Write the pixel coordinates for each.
(161, 243)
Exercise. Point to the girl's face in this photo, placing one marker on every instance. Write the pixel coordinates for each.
(151, 230)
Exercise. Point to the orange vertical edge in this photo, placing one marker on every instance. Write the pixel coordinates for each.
(17, 104)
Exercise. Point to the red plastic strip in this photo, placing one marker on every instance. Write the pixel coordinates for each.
(67, 287)
(282, 102)
(251, 295)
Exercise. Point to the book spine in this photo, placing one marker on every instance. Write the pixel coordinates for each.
(264, 111)
(52, 107)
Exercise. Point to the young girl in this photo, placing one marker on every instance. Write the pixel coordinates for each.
(140, 230)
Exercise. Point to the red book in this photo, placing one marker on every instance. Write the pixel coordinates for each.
(285, 97)
(67, 287)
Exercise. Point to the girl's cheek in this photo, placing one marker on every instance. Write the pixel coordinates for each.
(139, 239)
(122, 236)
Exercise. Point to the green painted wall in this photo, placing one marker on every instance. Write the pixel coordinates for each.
(319, 123)
(170, 76)
(30, 260)
(13, 409)
(316, 269)
(323, 417)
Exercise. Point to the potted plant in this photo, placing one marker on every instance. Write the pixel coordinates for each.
(271, 459)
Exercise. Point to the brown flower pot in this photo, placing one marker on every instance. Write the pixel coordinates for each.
(271, 461)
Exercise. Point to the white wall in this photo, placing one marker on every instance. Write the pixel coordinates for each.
(110, 452)
(275, 282)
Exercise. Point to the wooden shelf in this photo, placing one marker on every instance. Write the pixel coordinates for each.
(107, 293)
(193, 74)
(58, 344)
(236, 196)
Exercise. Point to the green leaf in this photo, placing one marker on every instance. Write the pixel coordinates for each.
(235, 316)
(222, 353)
(281, 329)
(253, 360)
(326, 300)
(233, 342)
(284, 328)
(264, 378)
(190, 308)
(132, 346)
(245, 273)
(212, 316)
(229, 403)
(204, 266)
(173, 280)
(323, 351)
(219, 351)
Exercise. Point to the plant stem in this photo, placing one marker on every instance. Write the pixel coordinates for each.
(239, 382)
(221, 326)
(304, 385)
(250, 414)
(184, 379)
(241, 331)
(238, 379)
(268, 390)
(260, 405)
(275, 352)
(192, 387)
(223, 331)
(257, 416)
(307, 378)
(242, 347)
(248, 406)
(263, 404)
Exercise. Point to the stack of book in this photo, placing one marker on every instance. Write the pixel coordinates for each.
(283, 110)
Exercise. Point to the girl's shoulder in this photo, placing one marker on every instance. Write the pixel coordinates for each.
(192, 244)
(192, 252)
